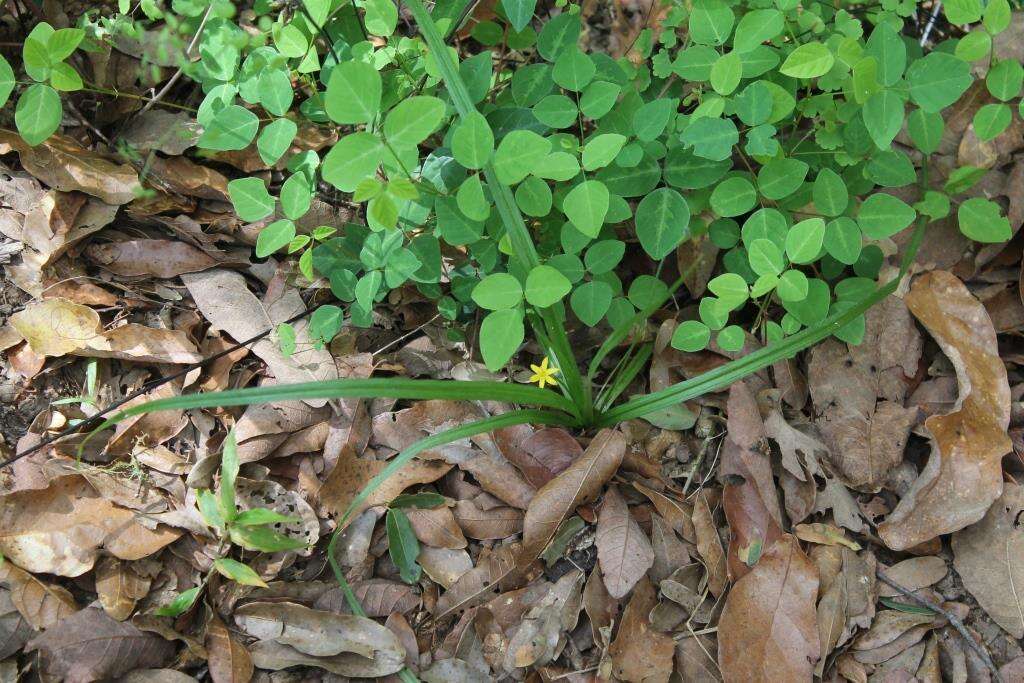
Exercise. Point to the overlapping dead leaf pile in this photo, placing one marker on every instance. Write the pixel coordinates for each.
(746, 549)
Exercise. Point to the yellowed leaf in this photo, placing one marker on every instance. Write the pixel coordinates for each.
(56, 327)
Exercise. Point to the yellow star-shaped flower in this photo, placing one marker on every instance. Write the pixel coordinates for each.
(542, 374)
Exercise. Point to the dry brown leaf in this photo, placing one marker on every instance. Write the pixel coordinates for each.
(859, 393)
(491, 524)
(825, 534)
(64, 165)
(543, 630)
(444, 566)
(119, 587)
(964, 474)
(229, 661)
(623, 550)
(224, 299)
(478, 584)
(185, 177)
(61, 529)
(43, 605)
(89, 646)
(913, 574)
(989, 557)
(15, 631)
(640, 655)
(149, 429)
(749, 497)
(768, 629)
(342, 643)
(709, 545)
(697, 660)
(169, 132)
(379, 598)
(539, 455)
(678, 515)
(352, 473)
(156, 258)
(57, 326)
(580, 483)
(436, 527)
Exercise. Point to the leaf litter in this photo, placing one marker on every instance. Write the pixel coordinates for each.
(743, 547)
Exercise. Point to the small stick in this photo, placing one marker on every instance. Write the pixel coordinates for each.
(950, 617)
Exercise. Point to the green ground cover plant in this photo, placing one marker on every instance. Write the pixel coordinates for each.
(507, 181)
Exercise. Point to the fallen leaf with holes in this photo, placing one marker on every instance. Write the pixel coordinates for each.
(623, 550)
(42, 604)
(90, 646)
(64, 165)
(62, 529)
(350, 645)
(768, 629)
(859, 393)
(964, 474)
(579, 483)
(156, 258)
(989, 557)
(229, 661)
(224, 299)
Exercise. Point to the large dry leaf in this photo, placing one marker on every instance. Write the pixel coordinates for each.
(224, 299)
(491, 524)
(61, 529)
(43, 605)
(989, 556)
(623, 550)
(964, 474)
(768, 629)
(580, 483)
(749, 498)
(64, 165)
(859, 392)
(379, 598)
(358, 642)
(157, 258)
(57, 326)
(436, 527)
(90, 646)
(15, 630)
(639, 654)
(229, 661)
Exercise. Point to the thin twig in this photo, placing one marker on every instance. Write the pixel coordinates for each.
(177, 74)
(145, 388)
(950, 617)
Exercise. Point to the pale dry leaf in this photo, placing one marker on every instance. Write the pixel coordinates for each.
(15, 630)
(156, 258)
(251, 494)
(322, 634)
(43, 605)
(89, 646)
(639, 654)
(478, 584)
(768, 629)
(133, 342)
(989, 557)
(229, 660)
(224, 299)
(56, 327)
(963, 475)
(697, 660)
(580, 483)
(61, 529)
(444, 566)
(825, 534)
(64, 165)
(157, 676)
(623, 550)
(273, 656)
